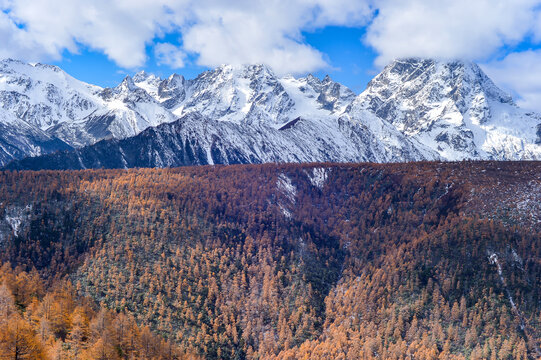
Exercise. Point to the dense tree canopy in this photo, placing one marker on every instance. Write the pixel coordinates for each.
(396, 261)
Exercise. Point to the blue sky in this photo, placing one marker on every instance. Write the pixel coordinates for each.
(101, 41)
(350, 61)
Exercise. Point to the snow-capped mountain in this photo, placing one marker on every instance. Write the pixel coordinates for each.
(43, 109)
(74, 114)
(248, 94)
(34, 98)
(120, 112)
(454, 108)
(414, 110)
(247, 114)
(43, 95)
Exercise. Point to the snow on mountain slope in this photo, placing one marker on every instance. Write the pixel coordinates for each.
(43, 95)
(19, 139)
(148, 82)
(124, 111)
(252, 94)
(453, 108)
(198, 140)
(414, 110)
(44, 109)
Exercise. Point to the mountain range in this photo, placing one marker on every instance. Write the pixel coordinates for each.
(415, 109)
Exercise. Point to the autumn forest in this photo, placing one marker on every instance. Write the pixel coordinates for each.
(315, 261)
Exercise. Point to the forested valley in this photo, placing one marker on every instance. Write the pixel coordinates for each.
(315, 261)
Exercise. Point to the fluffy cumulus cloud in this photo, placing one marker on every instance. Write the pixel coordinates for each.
(215, 31)
(519, 73)
(46, 28)
(170, 55)
(252, 32)
(444, 29)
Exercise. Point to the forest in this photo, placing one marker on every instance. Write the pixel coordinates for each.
(278, 261)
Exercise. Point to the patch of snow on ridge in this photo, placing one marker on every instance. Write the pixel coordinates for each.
(494, 260)
(517, 258)
(285, 185)
(285, 211)
(318, 177)
(16, 217)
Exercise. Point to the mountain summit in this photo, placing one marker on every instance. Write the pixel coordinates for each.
(454, 108)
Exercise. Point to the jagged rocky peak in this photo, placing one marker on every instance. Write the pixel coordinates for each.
(127, 91)
(126, 85)
(149, 82)
(11, 66)
(143, 76)
(329, 95)
(313, 80)
(171, 91)
(174, 80)
(7, 65)
(255, 94)
(257, 70)
(327, 80)
(247, 70)
(453, 107)
(232, 73)
(409, 93)
(238, 93)
(12, 61)
(434, 79)
(334, 96)
(49, 67)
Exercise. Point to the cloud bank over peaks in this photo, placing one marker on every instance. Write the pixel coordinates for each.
(261, 31)
(214, 32)
(450, 29)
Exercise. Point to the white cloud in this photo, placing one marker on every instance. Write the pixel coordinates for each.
(170, 55)
(216, 31)
(120, 28)
(17, 43)
(519, 73)
(463, 29)
(262, 31)
(234, 36)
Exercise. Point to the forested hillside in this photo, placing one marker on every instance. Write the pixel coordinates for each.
(321, 261)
